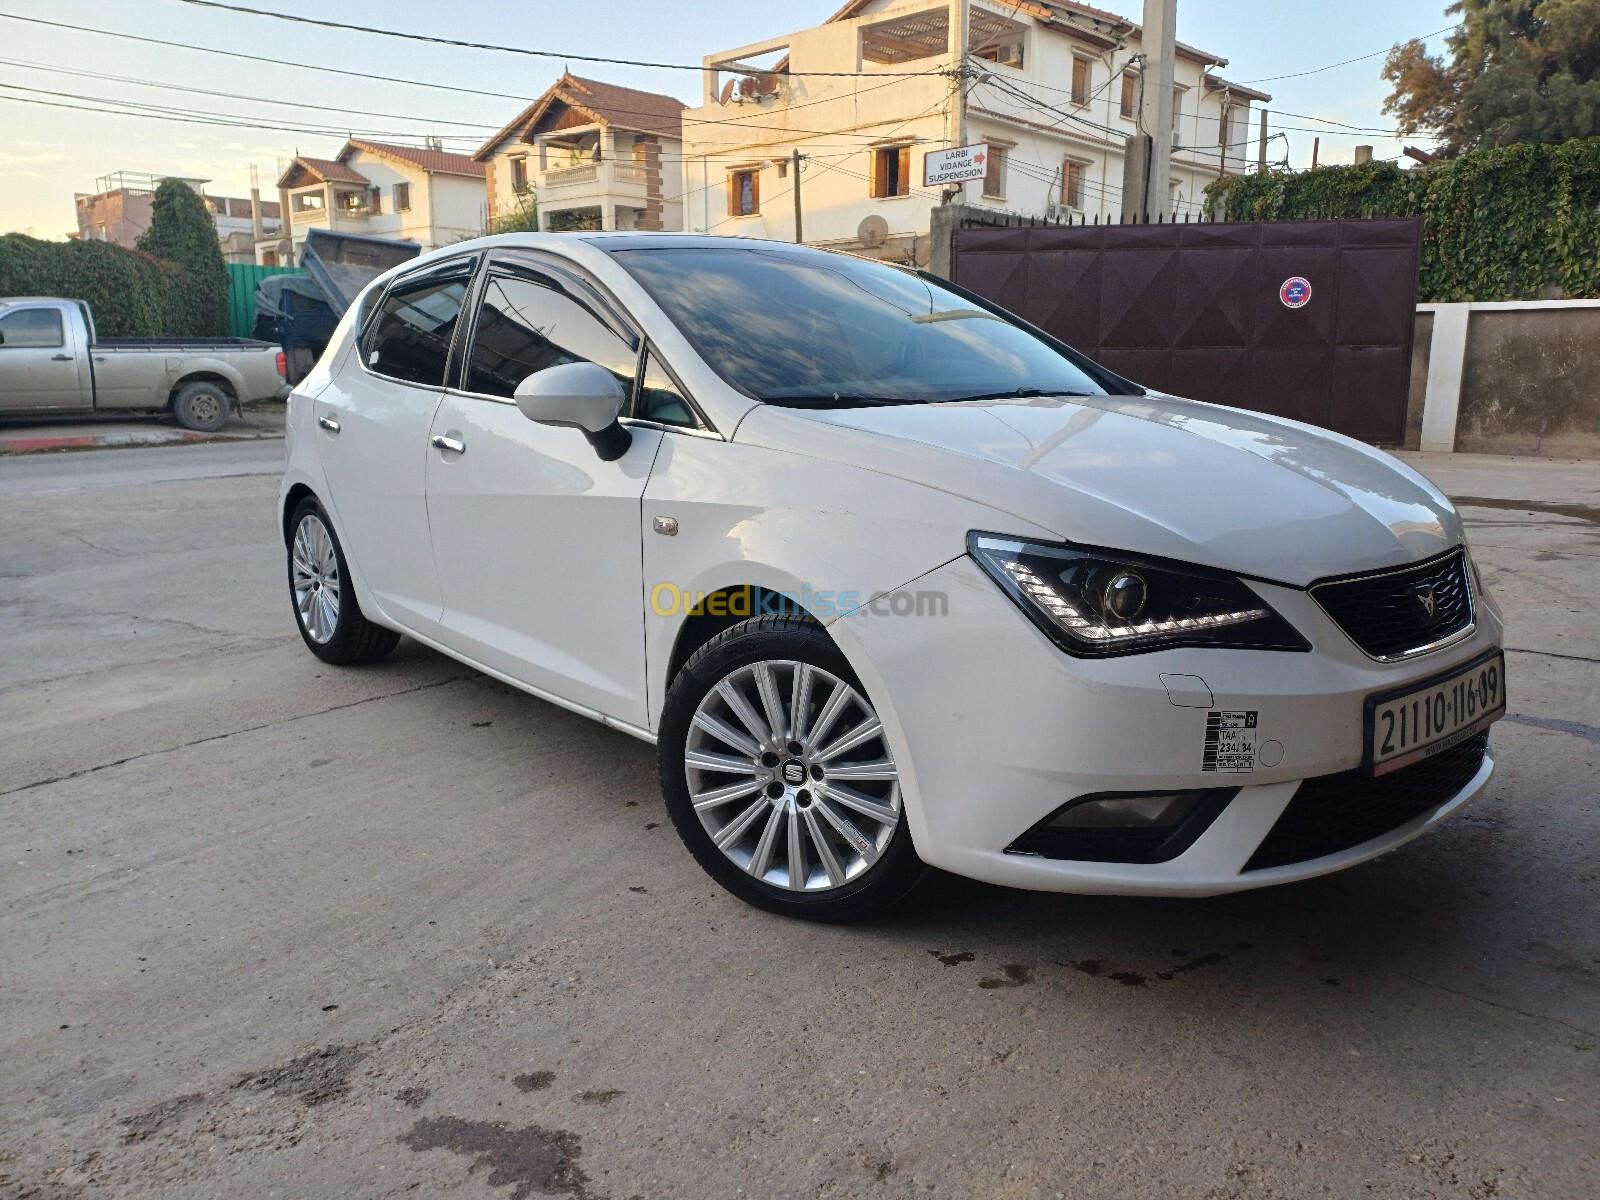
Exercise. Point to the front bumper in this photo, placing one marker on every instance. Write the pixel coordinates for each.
(994, 728)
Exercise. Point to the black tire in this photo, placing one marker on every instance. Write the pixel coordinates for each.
(353, 639)
(201, 406)
(794, 638)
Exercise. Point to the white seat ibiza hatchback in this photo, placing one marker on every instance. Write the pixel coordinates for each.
(890, 577)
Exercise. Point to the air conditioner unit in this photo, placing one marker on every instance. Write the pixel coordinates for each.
(1061, 212)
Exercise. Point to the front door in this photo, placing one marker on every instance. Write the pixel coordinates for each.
(537, 540)
(373, 423)
(38, 370)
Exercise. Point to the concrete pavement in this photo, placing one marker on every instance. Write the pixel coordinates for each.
(99, 432)
(271, 928)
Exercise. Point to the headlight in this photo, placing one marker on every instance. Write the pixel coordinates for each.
(1096, 603)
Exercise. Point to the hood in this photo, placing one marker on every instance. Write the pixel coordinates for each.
(1181, 479)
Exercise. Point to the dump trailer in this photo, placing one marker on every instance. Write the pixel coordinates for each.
(299, 312)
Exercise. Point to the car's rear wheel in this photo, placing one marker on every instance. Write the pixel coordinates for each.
(325, 606)
(203, 407)
(779, 777)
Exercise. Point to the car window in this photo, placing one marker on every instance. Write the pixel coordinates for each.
(413, 328)
(32, 329)
(660, 398)
(805, 326)
(527, 324)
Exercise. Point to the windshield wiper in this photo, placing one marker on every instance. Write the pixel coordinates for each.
(838, 400)
(1021, 393)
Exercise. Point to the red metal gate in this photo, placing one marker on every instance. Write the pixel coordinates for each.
(1304, 319)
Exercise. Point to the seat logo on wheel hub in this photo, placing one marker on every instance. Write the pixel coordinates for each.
(793, 772)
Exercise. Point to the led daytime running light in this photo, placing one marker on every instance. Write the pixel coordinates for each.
(1070, 617)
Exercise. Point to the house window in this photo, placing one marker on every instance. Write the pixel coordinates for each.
(1177, 115)
(1130, 93)
(1072, 183)
(353, 202)
(1080, 80)
(994, 174)
(519, 175)
(402, 197)
(891, 171)
(744, 193)
(375, 200)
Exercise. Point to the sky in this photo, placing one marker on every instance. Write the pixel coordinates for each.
(47, 154)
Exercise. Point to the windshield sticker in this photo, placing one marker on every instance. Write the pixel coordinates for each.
(1230, 747)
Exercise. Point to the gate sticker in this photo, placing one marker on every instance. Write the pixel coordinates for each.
(1230, 747)
(1295, 292)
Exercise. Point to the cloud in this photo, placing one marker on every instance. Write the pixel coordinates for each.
(32, 160)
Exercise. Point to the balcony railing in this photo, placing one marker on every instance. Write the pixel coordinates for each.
(626, 172)
(564, 176)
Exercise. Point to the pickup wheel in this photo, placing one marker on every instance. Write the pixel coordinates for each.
(325, 606)
(202, 406)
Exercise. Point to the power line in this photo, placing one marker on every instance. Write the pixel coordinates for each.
(1330, 66)
(176, 87)
(523, 50)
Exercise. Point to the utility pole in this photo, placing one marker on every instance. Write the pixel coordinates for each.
(1147, 161)
(1261, 146)
(1316, 145)
(960, 39)
(794, 169)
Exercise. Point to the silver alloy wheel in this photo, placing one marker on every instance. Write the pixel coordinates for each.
(791, 777)
(315, 571)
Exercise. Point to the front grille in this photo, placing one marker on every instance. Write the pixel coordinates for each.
(1388, 615)
(1335, 812)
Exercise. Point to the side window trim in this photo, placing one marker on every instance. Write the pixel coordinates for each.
(559, 282)
(466, 264)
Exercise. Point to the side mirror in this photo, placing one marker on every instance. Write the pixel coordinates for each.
(583, 396)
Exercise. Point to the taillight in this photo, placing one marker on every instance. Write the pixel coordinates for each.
(283, 365)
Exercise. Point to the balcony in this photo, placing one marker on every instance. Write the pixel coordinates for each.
(572, 176)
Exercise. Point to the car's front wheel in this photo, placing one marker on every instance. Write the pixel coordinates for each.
(325, 606)
(778, 775)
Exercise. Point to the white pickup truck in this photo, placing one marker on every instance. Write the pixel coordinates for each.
(52, 362)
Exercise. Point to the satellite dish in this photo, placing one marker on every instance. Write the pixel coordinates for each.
(767, 84)
(727, 92)
(747, 87)
(872, 231)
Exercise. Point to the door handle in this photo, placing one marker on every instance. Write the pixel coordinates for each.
(454, 445)
(329, 424)
(61, 358)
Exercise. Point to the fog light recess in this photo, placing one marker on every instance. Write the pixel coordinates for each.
(1131, 827)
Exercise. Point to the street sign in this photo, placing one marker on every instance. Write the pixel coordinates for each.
(1295, 292)
(955, 166)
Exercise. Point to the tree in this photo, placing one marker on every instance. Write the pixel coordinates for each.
(1518, 71)
(524, 218)
(182, 233)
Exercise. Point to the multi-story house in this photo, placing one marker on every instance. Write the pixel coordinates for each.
(593, 156)
(119, 211)
(1052, 87)
(424, 195)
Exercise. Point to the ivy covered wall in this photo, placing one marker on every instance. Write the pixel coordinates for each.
(1518, 222)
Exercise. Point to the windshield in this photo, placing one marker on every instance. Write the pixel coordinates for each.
(805, 327)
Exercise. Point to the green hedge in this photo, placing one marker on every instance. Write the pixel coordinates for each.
(129, 291)
(1518, 222)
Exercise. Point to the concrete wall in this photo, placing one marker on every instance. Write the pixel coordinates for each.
(1512, 378)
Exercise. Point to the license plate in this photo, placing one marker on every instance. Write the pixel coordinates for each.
(1409, 726)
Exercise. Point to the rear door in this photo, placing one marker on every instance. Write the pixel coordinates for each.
(39, 367)
(373, 423)
(537, 540)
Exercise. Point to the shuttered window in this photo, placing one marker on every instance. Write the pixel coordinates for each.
(891, 171)
(744, 193)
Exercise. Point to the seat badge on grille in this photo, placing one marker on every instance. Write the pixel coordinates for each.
(1426, 600)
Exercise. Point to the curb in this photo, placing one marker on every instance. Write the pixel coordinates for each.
(101, 441)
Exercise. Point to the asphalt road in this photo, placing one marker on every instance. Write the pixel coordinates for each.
(274, 929)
